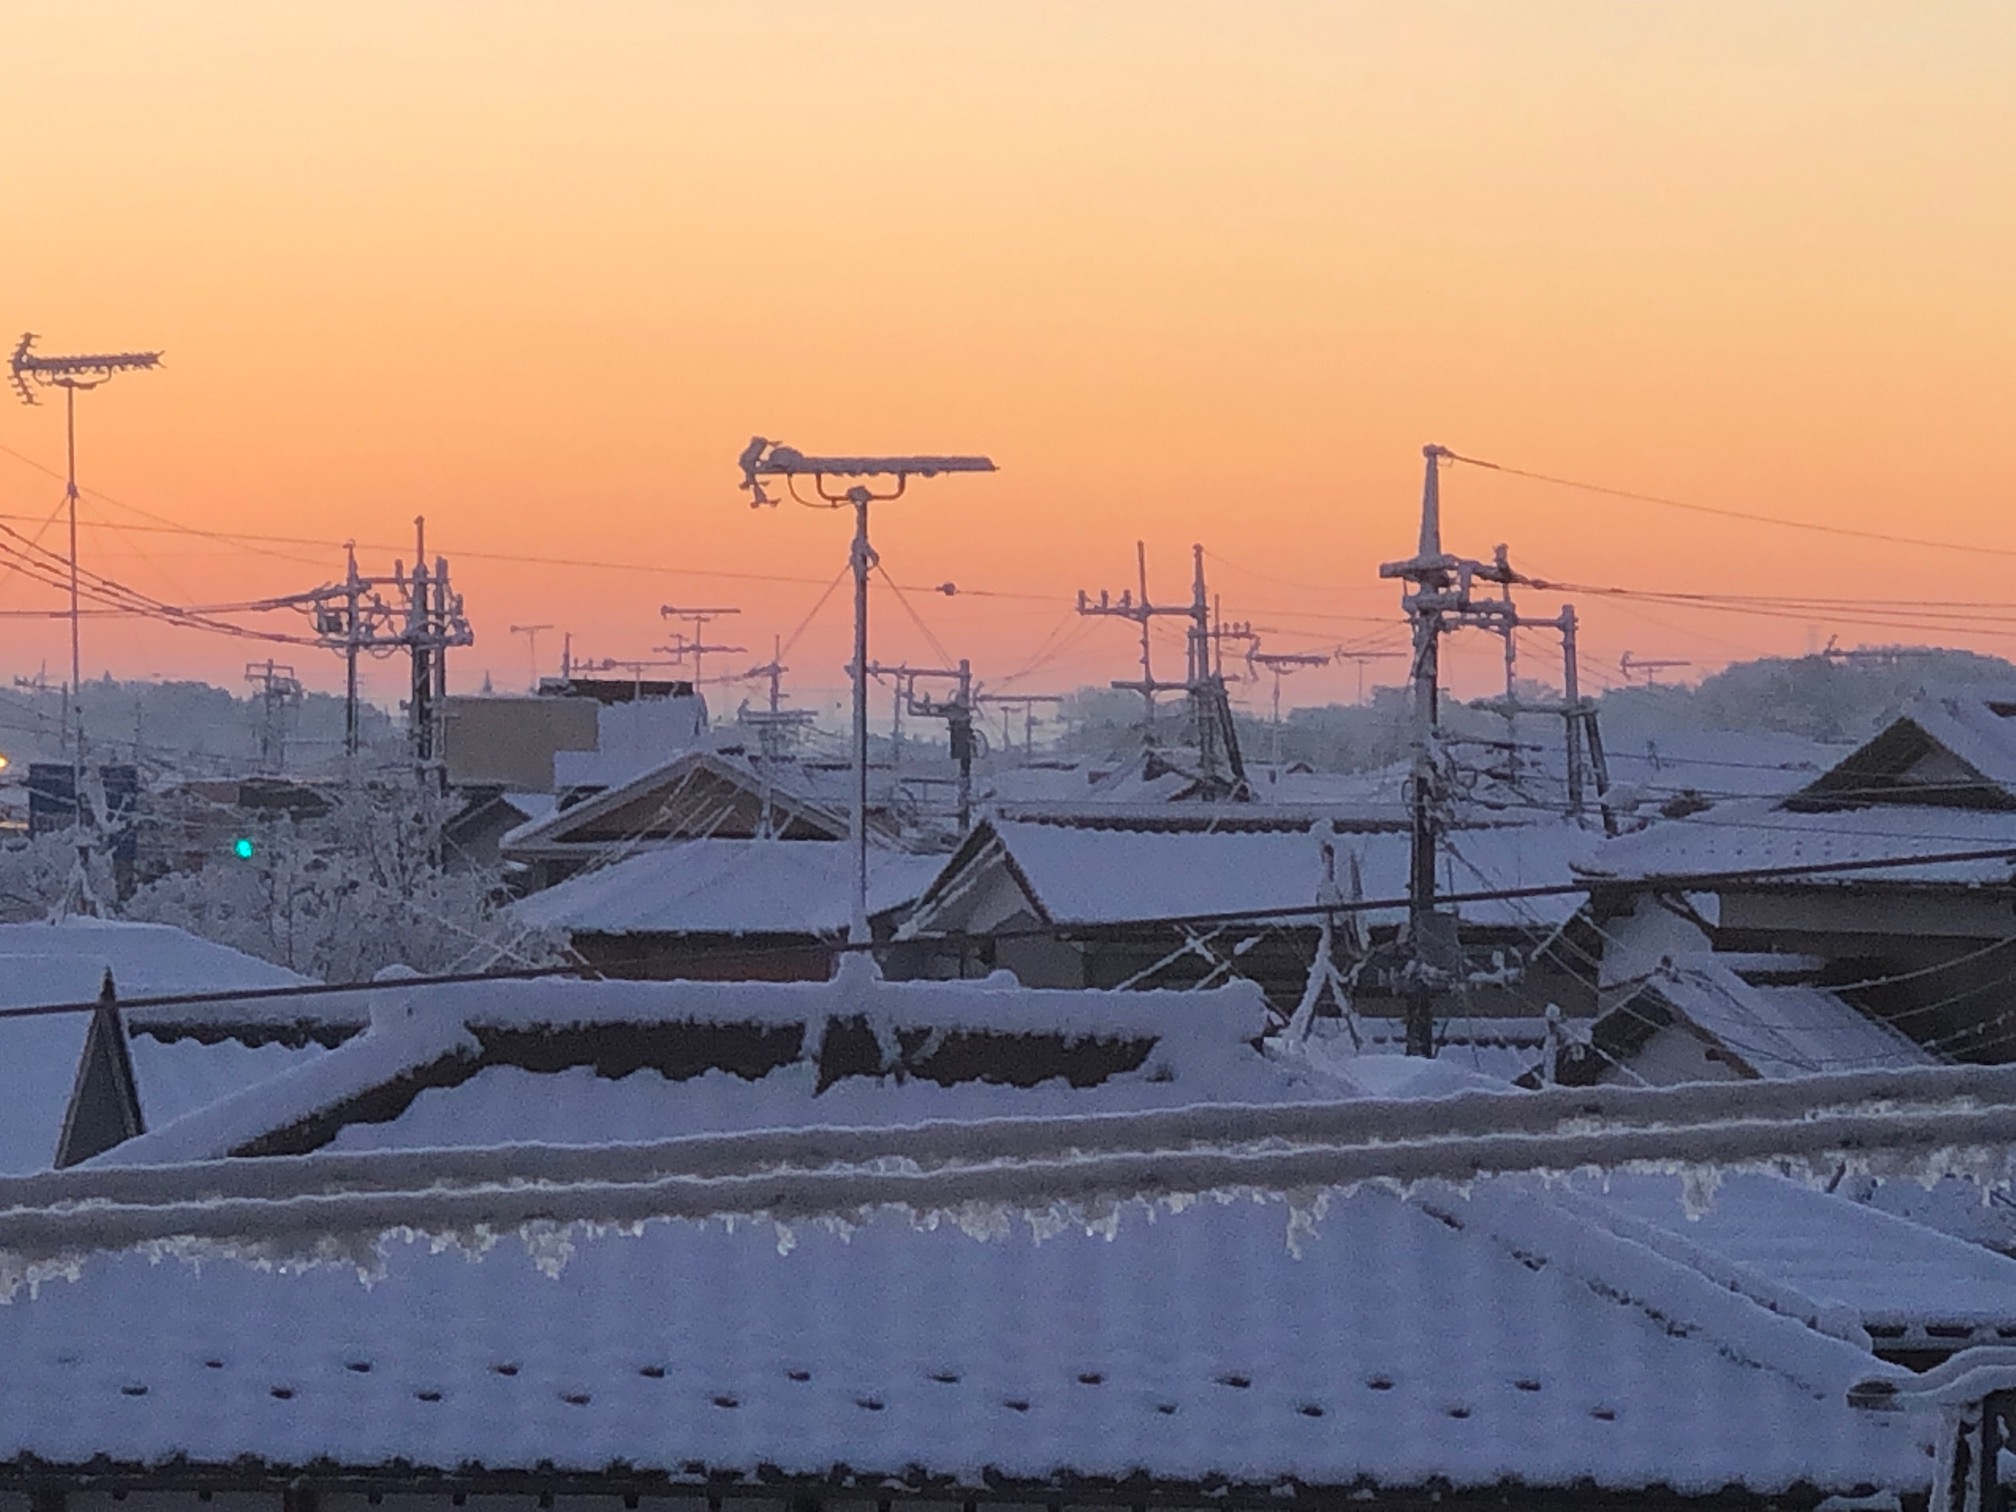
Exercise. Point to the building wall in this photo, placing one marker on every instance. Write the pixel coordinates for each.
(511, 742)
(1671, 1056)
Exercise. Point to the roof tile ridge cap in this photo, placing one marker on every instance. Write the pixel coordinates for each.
(212, 1131)
(1736, 1326)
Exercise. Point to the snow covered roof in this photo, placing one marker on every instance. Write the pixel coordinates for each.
(583, 1063)
(53, 964)
(696, 794)
(1496, 1342)
(1902, 1282)
(1764, 835)
(733, 887)
(146, 960)
(1781, 1030)
(1084, 876)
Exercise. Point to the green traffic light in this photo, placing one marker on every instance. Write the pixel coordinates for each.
(243, 847)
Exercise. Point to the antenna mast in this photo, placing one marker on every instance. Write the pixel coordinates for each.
(531, 634)
(763, 458)
(695, 646)
(30, 370)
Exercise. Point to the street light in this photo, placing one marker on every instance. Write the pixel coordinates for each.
(763, 458)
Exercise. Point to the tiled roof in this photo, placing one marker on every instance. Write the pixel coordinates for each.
(729, 887)
(1374, 1341)
(437, 1067)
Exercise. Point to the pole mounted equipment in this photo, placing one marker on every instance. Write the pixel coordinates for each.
(29, 370)
(763, 458)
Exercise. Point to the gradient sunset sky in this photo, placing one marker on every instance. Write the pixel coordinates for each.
(1189, 272)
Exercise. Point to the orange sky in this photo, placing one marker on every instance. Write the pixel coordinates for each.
(1189, 271)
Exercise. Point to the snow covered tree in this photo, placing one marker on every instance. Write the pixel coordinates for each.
(353, 893)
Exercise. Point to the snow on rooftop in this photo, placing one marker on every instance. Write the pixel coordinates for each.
(1107, 876)
(729, 887)
(1191, 1047)
(1759, 834)
(1887, 1273)
(146, 960)
(1372, 1341)
(1781, 1031)
(51, 964)
(1976, 725)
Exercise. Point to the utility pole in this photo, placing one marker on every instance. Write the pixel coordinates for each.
(956, 711)
(279, 691)
(1359, 658)
(72, 374)
(353, 591)
(1280, 663)
(354, 617)
(696, 646)
(1026, 702)
(1437, 599)
(531, 634)
(763, 458)
(1222, 770)
(1138, 608)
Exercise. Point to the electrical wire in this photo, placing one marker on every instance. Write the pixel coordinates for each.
(1815, 526)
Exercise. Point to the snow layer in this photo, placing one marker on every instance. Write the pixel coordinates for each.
(731, 887)
(1199, 1049)
(1083, 875)
(1782, 1031)
(507, 1104)
(146, 960)
(1746, 836)
(51, 964)
(1367, 1340)
(1888, 1273)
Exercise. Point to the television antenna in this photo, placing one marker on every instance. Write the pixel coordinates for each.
(31, 370)
(763, 458)
(1281, 663)
(531, 634)
(696, 645)
(1632, 666)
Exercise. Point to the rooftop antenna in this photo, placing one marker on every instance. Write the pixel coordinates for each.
(531, 634)
(696, 646)
(30, 371)
(1632, 666)
(1359, 658)
(763, 458)
(1281, 663)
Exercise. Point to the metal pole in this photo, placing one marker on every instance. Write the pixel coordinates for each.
(862, 560)
(1571, 688)
(353, 591)
(1147, 660)
(962, 740)
(1420, 1019)
(76, 614)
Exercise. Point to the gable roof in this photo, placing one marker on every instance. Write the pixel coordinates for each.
(46, 1061)
(1953, 750)
(730, 887)
(1765, 835)
(695, 795)
(1766, 1029)
(1080, 875)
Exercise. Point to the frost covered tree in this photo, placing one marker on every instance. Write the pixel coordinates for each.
(35, 878)
(347, 896)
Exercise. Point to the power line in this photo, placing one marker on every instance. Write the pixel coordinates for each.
(1263, 915)
(1967, 547)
